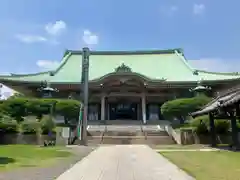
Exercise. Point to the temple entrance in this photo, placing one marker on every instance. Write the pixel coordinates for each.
(123, 111)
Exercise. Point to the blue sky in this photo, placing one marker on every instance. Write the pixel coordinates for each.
(35, 33)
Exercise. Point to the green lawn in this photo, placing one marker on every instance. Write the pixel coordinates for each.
(15, 156)
(218, 165)
(176, 146)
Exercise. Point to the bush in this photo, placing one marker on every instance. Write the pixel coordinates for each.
(68, 108)
(196, 121)
(182, 107)
(15, 108)
(47, 125)
(221, 126)
(202, 128)
(30, 127)
(8, 125)
(21, 107)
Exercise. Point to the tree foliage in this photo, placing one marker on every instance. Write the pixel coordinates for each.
(18, 108)
(47, 124)
(183, 106)
(8, 125)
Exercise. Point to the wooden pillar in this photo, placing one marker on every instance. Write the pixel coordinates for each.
(144, 108)
(103, 107)
(106, 108)
(237, 110)
(138, 111)
(212, 130)
(234, 130)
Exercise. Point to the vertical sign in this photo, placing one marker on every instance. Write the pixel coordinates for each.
(83, 115)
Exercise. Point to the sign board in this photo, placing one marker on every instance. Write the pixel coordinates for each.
(65, 132)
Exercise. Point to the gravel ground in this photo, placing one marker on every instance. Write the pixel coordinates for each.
(50, 172)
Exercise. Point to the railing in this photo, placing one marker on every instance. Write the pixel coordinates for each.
(173, 133)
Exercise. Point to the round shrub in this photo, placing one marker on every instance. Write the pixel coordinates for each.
(183, 106)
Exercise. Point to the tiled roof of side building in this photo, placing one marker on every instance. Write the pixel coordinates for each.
(36, 77)
(206, 75)
(154, 65)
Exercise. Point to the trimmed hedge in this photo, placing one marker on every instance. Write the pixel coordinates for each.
(182, 107)
(8, 125)
(18, 108)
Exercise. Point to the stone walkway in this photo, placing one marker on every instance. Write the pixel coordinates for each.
(124, 162)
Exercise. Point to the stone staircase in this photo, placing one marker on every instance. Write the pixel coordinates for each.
(128, 134)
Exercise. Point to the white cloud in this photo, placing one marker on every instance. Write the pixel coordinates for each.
(56, 28)
(216, 64)
(90, 38)
(27, 38)
(52, 29)
(198, 9)
(173, 8)
(47, 64)
(169, 11)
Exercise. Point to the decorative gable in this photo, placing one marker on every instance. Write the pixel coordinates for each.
(123, 68)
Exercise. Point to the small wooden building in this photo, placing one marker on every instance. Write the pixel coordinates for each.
(224, 106)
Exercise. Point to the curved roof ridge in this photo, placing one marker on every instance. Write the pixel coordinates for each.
(128, 52)
(183, 59)
(63, 62)
(219, 73)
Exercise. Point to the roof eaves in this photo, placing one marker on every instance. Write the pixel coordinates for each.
(219, 73)
(220, 101)
(33, 74)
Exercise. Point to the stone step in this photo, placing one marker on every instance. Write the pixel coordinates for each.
(159, 140)
(156, 133)
(150, 140)
(123, 133)
(131, 128)
(123, 122)
(96, 128)
(95, 133)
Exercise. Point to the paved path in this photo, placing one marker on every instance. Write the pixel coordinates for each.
(133, 162)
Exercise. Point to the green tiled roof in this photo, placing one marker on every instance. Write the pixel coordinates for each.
(156, 65)
(36, 77)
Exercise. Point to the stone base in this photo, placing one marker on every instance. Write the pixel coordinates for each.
(25, 139)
